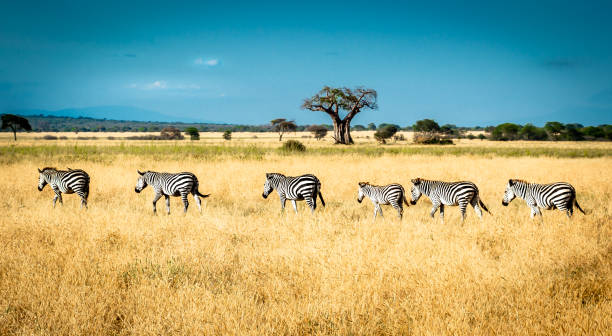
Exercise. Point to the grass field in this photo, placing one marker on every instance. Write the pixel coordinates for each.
(242, 267)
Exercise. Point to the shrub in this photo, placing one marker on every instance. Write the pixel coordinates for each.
(227, 135)
(171, 133)
(293, 146)
(431, 139)
(400, 137)
(193, 133)
(318, 131)
(49, 137)
(482, 136)
(471, 136)
(385, 133)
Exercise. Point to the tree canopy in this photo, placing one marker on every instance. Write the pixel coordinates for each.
(337, 101)
(282, 126)
(15, 122)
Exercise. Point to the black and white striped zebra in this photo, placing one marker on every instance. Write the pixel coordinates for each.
(167, 184)
(560, 195)
(392, 194)
(448, 193)
(65, 181)
(298, 188)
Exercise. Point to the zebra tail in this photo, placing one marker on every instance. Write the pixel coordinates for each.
(405, 200)
(203, 196)
(578, 206)
(484, 206)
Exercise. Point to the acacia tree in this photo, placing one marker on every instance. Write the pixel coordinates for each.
(15, 122)
(333, 101)
(283, 126)
(318, 131)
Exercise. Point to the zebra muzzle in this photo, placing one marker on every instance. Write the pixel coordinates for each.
(264, 195)
(504, 203)
(413, 202)
(136, 190)
(39, 189)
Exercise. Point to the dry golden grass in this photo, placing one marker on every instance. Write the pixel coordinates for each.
(241, 267)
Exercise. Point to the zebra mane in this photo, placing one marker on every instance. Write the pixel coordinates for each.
(513, 181)
(269, 175)
(363, 184)
(48, 168)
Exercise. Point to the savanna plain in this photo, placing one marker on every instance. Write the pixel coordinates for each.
(243, 267)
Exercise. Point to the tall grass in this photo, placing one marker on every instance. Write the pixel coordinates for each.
(97, 152)
(242, 267)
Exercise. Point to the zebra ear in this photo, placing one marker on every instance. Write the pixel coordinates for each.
(416, 181)
(139, 172)
(268, 175)
(361, 184)
(40, 171)
(511, 182)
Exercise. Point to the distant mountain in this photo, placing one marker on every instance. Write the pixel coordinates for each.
(107, 112)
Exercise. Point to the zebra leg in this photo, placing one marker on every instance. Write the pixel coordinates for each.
(380, 210)
(463, 208)
(294, 205)
(155, 199)
(476, 207)
(312, 203)
(167, 203)
(198, 202)
(399, 209)
(83, 202)
(282, 201)
(434, 208)
(441, 212)
(185, 202)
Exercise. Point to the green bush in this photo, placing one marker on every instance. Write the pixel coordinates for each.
(293, 146)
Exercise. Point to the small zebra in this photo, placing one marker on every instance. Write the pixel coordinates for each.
(166, 184)
(392, 194)
(298, 188)
(65, 181)
(558, 195)
(448, 193)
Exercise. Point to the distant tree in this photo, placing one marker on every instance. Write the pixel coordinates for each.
(318, 131)
(334, 100)
(593, 132)
(385, 133)
(554, 130)
(506, 131)
(359, 128)
(531, 132)
(282, 126)
(15, 122)
(426, 126)
(482, 136)
(171, 133)
(572, 132)
(227, 135)
(372, 126)
(193, 133)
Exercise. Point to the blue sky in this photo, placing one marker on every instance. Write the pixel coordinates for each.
(466, 63)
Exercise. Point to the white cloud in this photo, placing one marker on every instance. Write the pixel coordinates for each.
(211, 62)
(163, 85)
(158, 84)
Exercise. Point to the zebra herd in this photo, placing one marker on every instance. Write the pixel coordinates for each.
(307, 188)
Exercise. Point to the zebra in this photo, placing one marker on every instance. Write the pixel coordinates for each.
(392, 194)
(448, 193)
(560, 195)
(167, 184)
(298, 188)
(65, 181)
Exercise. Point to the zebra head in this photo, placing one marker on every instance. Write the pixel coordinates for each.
(271, 182)
(509, 194)
(415, 191)
(141, 183)
(42, 179)
(362, 186)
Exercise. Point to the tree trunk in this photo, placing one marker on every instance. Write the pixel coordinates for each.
(14, 132)
(342, 132)
(280, 136)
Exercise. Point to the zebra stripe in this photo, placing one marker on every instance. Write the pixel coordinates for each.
(448, 193)
(166, 184)
(298, 188)
(65, 181)
(560, 195)
(392, 194)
